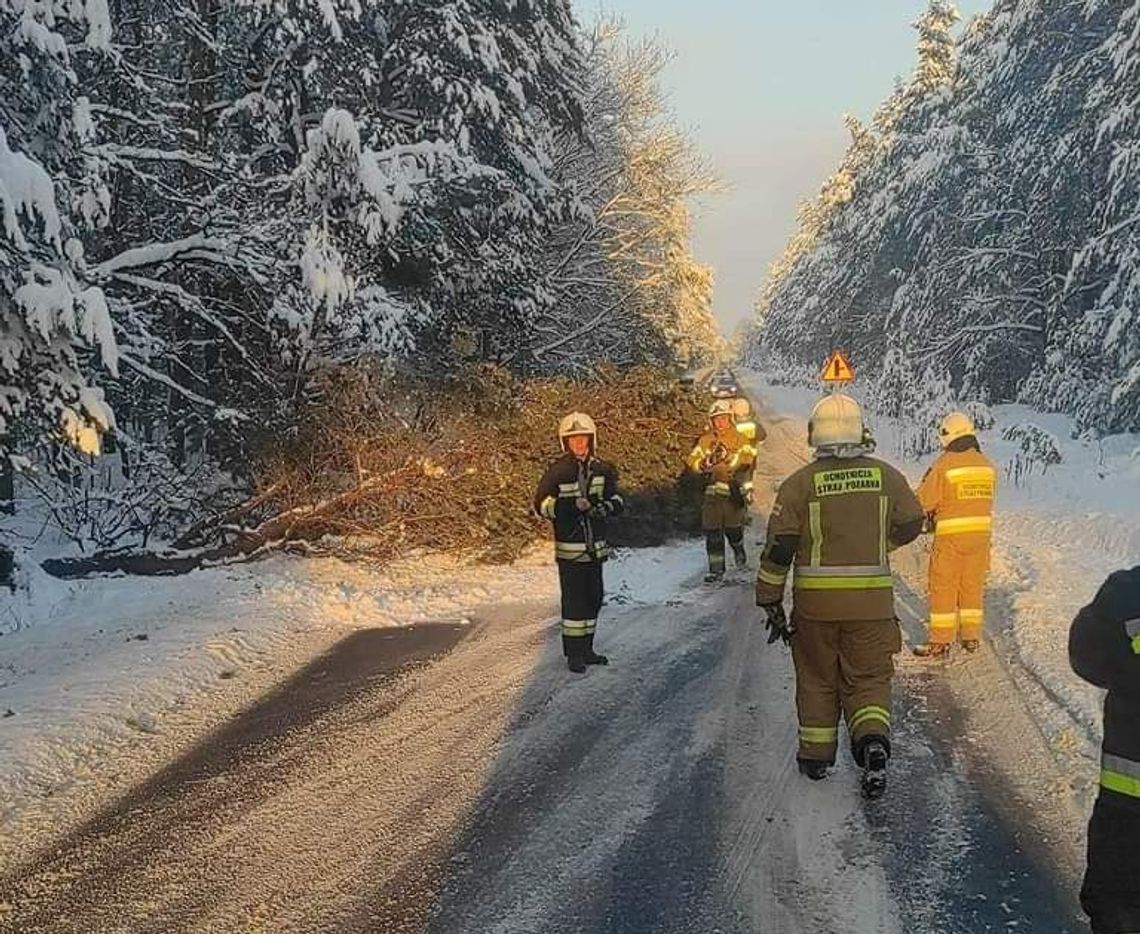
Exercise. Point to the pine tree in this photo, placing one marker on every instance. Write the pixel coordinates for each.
(55, 329)
(990, 232)
(936, 45)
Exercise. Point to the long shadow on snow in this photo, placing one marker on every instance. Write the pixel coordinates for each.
(153, 814)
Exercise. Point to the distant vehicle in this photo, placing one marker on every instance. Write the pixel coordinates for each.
(688, 379)
(723, 386)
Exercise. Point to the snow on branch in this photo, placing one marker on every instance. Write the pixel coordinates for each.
(154, 253)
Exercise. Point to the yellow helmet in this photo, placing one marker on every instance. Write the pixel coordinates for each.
(741, 408)
(954, 426)
(836, 419)
(577, 423)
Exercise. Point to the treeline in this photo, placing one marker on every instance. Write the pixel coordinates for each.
(208, 206)
(983, 229)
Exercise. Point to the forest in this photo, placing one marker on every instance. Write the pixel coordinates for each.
(982, 230)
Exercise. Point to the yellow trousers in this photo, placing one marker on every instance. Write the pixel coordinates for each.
(958, 567)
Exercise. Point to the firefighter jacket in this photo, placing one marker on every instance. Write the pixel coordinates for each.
(752, 430)
(579, 536)
(1104, 649)
(957, 493)
(836, 519)
(732, 458)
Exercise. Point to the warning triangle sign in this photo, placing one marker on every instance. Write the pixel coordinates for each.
(837, 369)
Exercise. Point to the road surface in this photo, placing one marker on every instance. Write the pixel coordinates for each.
(455, 778)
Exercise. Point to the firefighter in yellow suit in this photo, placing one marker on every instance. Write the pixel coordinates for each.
(836, 519)
(726, 459)
(753, 432)
(746, 422)
(957, 495)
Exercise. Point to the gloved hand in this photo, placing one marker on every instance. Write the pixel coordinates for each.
(778, 624)
(600, 509)
(583, 504)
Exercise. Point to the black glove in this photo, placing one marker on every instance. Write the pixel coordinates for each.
(778, 624)
(600, 508)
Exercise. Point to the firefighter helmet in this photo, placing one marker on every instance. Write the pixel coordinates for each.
(954, 426)
(741, 408)
(577, 423)
(721, 407)
(836, 419)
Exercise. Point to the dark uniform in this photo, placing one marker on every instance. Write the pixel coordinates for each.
(836, 519)
(580, 545)
(1104, 649)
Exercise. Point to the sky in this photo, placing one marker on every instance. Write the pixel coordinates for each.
(763, 85)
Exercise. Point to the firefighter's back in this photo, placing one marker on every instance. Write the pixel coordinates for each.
(846, 509)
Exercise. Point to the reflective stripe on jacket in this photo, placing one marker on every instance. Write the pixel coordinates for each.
(1104, 649)
(837, 520)
(579, 536)
(736, 459)
(958, 493)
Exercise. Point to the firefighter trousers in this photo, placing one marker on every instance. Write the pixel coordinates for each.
(843, 668)
(957, 583)
(1111, 891)
(582, 593)
(721, 517)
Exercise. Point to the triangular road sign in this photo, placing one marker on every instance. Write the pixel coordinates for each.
(837, 369)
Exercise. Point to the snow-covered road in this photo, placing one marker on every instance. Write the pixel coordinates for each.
(458, 779)
(455, 778)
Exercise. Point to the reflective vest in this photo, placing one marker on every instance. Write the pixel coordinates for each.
(958, 494)
(733, 457)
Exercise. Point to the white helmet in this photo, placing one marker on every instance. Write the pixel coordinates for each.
(741, 408)
(836, 419)
(577, 423)
(954, 426)
(720, 407)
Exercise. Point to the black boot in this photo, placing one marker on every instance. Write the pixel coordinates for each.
(875, 757)
(740, 555)
(576, 654)
(815, 769)
(592, 657)
(566, 642)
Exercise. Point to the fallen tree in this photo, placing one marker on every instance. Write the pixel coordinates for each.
(383, 466)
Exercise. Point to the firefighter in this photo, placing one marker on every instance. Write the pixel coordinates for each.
(957, 495)
(1104, 649)
(745, 423)
(835, 520)
(754, 434)
(725, 458)
(578, 493)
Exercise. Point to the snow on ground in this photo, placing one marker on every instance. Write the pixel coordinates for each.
(103, 680)
(1058, 533)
